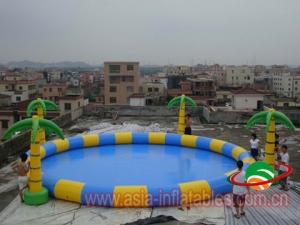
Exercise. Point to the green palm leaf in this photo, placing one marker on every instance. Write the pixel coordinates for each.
(33, 106)
(281, 118)
(173, 102)
(22, 125)
(268, 119)
(257, 118)
(50, 105)
(51, 127)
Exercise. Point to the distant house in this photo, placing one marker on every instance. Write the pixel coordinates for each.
(285, 102)
(247, 99)
(137, 99)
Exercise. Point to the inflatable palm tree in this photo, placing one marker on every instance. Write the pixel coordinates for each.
(182, 100)
(41, 106)
(270, 117)
(37, 194)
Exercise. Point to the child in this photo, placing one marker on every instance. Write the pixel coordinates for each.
(188, 123)
(22, 169)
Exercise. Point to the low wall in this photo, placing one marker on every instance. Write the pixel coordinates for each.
(100, 110)
(21, 142)
(243, 117)
(227, 116)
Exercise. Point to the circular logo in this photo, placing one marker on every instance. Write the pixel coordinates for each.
(259, 176)
(259, 172)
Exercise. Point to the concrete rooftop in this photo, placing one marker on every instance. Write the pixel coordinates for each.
(61, 212)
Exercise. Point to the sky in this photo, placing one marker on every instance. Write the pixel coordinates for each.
(161, 32)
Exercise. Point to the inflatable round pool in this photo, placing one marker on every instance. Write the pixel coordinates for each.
(139, 169)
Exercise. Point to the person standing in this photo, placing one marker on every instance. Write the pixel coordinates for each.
(239, 192)
(254, 142)
(22, 168)
(188, 123)
(285, 159)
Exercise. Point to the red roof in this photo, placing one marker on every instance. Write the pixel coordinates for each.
(247, 91)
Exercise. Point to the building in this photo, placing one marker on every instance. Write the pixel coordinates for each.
(203, 87)
(153, 88)
(224, 96)
(86, 77)
(17, 96)
(121, 81)
(53, 92)
(55, 75)
(137, 99)
(71, 104)
(282, 102)
(239, 75)
(19, 85)
(283, 83)
(296, 88)
(5, 100)
(247, 99)
(218, 74)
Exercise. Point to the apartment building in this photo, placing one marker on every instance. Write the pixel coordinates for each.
(218, 74)
(239, 75)
(121, 81)
(55, 75)
(203, 87)
(296, 88)
(19, 85)
(53, 92)
(283, 83)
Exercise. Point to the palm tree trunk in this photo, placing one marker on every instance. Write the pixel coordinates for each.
(35, 179)
(181, 118)
(41, 134)
(270, 144)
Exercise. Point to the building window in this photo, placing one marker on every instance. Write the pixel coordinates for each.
(156, 89)
(4, 124)
(67, 106)
(296, 88)
(296, 82)
(50, 98)
(18, 99)
(127, 78)
(59, 89)
(50, 89)
(113, 89)
(129, 89)
(129, 67)
(78, 104)
(45, 90)
(114, 79)
(114, 68)
(149, 89)
(20, 88)
(113, 100)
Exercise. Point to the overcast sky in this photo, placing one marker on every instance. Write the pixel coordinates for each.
(161, 32)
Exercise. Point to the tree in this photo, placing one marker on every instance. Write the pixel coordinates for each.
(182, 100)
(41, 106)
(37, 194)
(270, 117)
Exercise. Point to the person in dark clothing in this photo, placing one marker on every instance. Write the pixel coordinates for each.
(188, 123)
